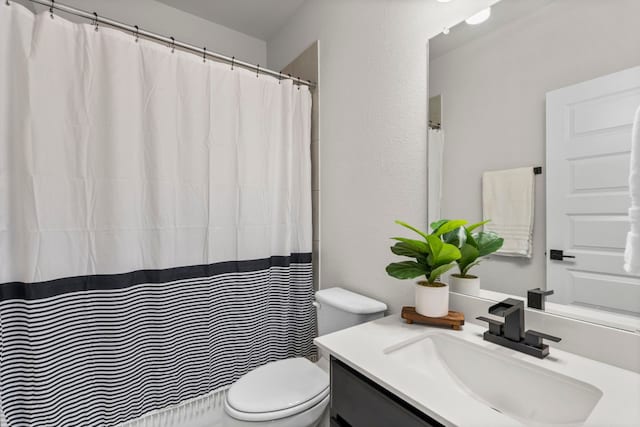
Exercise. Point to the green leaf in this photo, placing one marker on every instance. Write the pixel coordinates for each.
(488, 242)
(448, 254)
(441, 253)
(457, 237)
(437, 224)
(470, 240)
(404, 224)
(435, 245)
(449, 226)
(437, 272)
(405, 270)
(416, 245)
(477, 224)
(468, 256)
(405, 249)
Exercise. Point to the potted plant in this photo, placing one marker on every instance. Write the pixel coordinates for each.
(473, 246)
(433, 257)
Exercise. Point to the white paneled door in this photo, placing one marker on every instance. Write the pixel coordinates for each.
(588, 153)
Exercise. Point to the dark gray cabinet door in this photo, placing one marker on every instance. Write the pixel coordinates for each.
(357, 401)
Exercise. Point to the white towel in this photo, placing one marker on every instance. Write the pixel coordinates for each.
(508, 201)
(632, 250)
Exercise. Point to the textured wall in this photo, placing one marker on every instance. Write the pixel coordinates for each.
(493, 94)
(373, 126)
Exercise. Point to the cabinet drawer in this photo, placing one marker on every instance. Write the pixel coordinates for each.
(356, 401)
(337, 423)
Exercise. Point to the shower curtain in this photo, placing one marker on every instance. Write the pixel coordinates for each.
(435, 155)
(155, 223)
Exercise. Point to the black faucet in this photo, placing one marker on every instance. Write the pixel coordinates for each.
(513, 312)
(511, 334)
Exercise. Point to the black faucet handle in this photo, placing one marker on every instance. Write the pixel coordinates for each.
(495, 326)
(536, 298)
(534, 338)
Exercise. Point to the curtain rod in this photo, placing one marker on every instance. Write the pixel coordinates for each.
(96, 19)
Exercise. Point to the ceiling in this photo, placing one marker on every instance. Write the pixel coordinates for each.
(257, 18)
(503, 13)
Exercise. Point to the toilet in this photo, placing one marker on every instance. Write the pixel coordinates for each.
(295, 392)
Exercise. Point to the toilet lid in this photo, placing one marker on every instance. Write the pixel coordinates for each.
(289, 386)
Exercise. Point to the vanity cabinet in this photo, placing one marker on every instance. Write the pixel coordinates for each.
(356, 401)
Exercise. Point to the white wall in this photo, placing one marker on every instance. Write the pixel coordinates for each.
(493, 94)
(373, 126)
(159, 18)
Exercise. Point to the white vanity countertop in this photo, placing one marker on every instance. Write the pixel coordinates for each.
(363, 348)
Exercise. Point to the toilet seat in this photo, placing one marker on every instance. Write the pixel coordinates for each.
(277, 390)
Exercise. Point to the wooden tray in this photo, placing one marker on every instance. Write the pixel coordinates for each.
(453, 320)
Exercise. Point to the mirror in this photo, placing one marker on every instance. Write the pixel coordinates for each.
(531, 115)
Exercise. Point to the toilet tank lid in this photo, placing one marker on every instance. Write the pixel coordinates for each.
(349, 301)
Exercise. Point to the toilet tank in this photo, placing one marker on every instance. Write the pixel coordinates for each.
(340, 309)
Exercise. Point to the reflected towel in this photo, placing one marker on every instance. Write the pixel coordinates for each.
(508, 201)
(632, 249)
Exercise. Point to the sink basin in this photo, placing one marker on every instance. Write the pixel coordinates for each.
(531, 394)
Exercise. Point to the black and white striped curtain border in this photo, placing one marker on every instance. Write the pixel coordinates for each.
(125, 352)
(51, 288)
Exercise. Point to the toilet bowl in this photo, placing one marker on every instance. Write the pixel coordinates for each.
(295, 392)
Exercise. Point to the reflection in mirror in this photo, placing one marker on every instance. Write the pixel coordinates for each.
(551, 84)
(435, 152)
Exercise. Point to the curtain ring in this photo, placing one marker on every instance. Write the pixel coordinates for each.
(173, 45)
(299, 82)
(204, 54)
(280, 77)
(257, 70)
(95, 20)
(50, 8)
(137, 33)
(233, 59)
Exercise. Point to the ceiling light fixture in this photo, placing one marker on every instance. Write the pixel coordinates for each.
(479, 17)
(444, 1)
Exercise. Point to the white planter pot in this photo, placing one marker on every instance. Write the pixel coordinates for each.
(432, 301)
(465, 285)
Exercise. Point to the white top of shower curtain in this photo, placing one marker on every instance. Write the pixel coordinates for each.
(117, 155)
